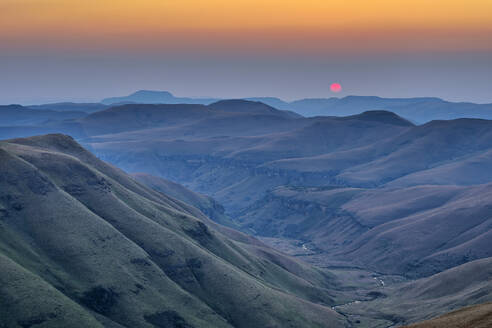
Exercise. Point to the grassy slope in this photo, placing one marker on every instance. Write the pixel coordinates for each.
(426, 231)
(134, 256)
(228, 155)
(377, 228)
(478, 316)
(210, 207)
(425, 298)
(20, 308)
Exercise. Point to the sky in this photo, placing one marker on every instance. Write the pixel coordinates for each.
(57, 50)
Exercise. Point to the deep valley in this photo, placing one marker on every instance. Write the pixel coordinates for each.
(236, 213)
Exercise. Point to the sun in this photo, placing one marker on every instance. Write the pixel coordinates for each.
(335, 87)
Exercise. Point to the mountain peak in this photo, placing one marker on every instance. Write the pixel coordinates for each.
(382, 116)
(55, 141)
(12, 106)
(243, 103)
(248, 106)
(377, 98)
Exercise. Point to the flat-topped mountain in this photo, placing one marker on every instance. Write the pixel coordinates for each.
(155, 97)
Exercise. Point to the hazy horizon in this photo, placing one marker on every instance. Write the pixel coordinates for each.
(42, 79)
(62, 50)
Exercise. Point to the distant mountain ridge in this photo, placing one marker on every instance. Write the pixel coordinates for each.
(17, 115)
(371, 192)
(70, 106)
(243, 157)
(418, 109)
(156, 97)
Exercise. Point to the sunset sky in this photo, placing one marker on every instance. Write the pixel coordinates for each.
(52, 50)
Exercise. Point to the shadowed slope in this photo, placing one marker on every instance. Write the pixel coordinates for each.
(119, 252)
(425, 241)
(210, 207)
(226, 156)
(16, 115)
(69, 106)
(378, 228)
(426, 298)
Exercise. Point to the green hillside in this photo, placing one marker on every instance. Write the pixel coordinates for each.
(83, 244)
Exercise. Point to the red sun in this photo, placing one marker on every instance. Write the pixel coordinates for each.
(335, 87)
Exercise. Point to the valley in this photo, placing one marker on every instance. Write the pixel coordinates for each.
(246, 164)
(361, 216)
(146, 259)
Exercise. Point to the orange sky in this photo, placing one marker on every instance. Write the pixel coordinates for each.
(308, 26)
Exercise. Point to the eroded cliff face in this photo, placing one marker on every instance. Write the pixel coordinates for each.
(235, 184)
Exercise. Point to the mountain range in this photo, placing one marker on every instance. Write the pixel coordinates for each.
(418, 110)
(85, 245)
(389, 219)
(156, 97)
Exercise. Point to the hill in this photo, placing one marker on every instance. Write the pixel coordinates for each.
(237, 147)
(246, 155)
(427, 298)
(441, 151)
(239, 151)
(83, 244)
(377, 228)
(206, 204)
(347, 193)
(450, 230)
(246, 106)
(478, 316)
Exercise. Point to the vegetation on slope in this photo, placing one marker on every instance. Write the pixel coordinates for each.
(98, 246)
